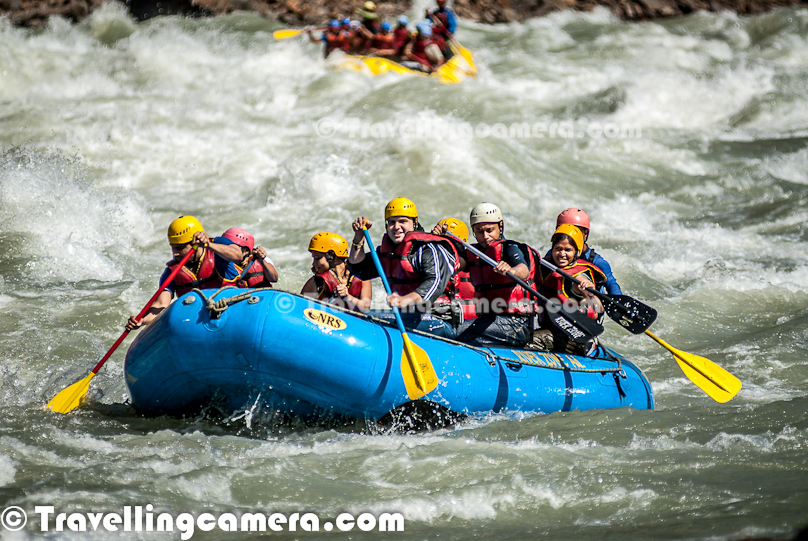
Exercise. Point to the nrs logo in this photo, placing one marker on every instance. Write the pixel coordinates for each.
(324, 320)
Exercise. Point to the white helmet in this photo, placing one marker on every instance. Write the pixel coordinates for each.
(485, 213)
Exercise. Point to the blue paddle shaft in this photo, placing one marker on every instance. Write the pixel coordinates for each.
(379, 269)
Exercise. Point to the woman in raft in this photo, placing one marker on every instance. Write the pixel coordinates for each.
(332, 281)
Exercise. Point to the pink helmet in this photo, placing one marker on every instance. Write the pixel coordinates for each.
(240, 237)
(573, 216)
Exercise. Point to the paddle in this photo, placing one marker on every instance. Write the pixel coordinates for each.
(416, 368)
(633, 315)
(71, 397)
(578, 326)
(290, 33)
(719, 384)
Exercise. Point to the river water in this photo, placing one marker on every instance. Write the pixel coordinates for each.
(685, 140)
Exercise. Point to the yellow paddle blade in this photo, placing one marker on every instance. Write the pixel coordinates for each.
(417, 370)
(719, 384)
(461, 51)
(286, 33)
(70, 398)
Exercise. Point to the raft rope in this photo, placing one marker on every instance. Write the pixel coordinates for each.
(217, 307)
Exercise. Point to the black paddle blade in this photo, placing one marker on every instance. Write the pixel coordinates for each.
(578, 326)
(630, 313)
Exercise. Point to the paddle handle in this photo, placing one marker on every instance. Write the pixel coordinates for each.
(145, 308)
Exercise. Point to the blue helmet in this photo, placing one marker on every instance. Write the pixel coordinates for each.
(386, 26)
(333, 23)
(404, 20)
(346, 21)
(424, 29)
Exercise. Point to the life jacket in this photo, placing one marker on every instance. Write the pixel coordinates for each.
(401, 275)
(328, 290)
(499, 288)
(555, 285)
(382, 41)
(443, 28)
(419, 51)
(332, 42)
(344, 40)
(401, 36)
(204, 276)
(254, 277)
(465, 295)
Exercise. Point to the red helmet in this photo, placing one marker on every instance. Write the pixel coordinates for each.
(240, 237)
(573, 216)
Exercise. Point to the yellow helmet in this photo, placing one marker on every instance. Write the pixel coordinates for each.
(574, 233)
(181, 230)
(369, 6)
(456, 227)
(323, 242)
(400, 206)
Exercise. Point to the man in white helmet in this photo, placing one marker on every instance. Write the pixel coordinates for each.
(504, 309)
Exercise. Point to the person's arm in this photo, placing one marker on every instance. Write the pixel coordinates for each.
(310, 288)
(360, 304)
(513, 260)
(220, 246)
(270, 273)
(611, 286)
(357, 253)
(452, 20)
(160, 304)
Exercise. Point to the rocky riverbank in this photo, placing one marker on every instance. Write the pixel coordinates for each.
(316, 12)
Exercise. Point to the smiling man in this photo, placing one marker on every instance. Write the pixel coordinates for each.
(418, 266)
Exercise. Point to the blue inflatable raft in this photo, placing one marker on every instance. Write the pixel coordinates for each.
(308, 358)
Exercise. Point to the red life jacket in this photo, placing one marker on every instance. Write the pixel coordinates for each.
(443, 28)
(419, 51)
(254, 277)
(465, 292)
(204, 276)
(401, 275)
(498, 288)
(330, 283)
(555, 285)
(401, 36)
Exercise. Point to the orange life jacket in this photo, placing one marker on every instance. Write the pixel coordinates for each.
(555, 285)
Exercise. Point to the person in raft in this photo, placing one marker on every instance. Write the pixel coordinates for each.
(332, 281)
(459, 289)
(567, 246)
(504, 309)
(580, 219)
(211, 267)
(331, 37)
(418, 267)
(422, 53)
(261, 271)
